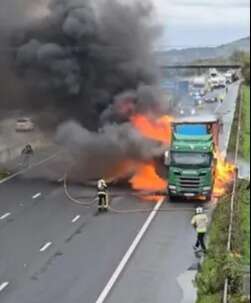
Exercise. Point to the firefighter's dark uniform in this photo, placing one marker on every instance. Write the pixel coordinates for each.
(27, 152)
(102, 196)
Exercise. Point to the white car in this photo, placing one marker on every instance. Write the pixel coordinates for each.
(24, 125)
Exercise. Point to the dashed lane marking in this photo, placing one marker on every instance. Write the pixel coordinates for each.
(45, 247)
(36, 196)
(3, 286)
(76, 219)
(104, 294)
(5, 216)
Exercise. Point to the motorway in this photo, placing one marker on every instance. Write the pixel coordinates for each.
(53, 250)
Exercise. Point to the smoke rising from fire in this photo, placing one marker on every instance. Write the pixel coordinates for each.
(82, 54)
(114, 151)
(87, 62)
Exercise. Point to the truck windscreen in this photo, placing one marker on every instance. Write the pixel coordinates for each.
(191, 129)
(196, 159)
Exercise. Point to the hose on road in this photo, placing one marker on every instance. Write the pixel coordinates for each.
(74, 200)
(119, 211)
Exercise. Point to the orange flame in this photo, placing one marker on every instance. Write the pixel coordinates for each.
(146, 177)
(158, 130)
(225, 173)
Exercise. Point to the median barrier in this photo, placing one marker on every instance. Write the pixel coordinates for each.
(13, 152)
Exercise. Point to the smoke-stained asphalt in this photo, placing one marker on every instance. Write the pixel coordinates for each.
(56, 251)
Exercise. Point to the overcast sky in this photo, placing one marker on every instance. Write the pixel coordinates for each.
(203, 22)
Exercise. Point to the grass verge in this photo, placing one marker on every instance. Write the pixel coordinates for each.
(220, 264)
(234, 130)
(245, 140)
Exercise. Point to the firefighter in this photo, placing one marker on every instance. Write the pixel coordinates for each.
(27, 153)
(102, 195)
(200, 223)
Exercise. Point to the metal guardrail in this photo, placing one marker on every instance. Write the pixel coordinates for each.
(230, 231)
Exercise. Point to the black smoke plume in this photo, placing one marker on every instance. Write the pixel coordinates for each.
(81, 55)
(85, 61)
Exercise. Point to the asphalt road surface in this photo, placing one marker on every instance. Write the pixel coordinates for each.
(53, 250)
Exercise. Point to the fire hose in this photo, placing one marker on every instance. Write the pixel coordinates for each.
(74, 200)
(115, 210)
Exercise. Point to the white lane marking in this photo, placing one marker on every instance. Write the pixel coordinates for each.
(5, 216)
(36, 196)
(27, 169)
(76, 219)
(45, 247)
(4, 285)
(104, 294)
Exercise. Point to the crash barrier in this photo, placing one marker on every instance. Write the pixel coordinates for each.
(231, 221)
(13, 152)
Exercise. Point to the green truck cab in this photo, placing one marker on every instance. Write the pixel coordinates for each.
(190, 161)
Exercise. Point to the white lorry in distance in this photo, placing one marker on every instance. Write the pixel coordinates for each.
(216, 80)
(199, 86)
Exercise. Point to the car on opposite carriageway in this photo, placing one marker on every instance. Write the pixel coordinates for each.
(24, 124)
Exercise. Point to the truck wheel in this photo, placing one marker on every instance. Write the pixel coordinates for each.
(172, 198)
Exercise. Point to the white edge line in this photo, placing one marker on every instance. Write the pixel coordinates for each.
(102, 297)
(25, 170)
(4, 285)
(76, 219)
(36, 196)
(5, 216)
(45, 247)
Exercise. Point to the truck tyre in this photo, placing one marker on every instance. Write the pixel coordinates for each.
(172, 198)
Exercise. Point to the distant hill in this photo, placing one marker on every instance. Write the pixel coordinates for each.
(202, 53)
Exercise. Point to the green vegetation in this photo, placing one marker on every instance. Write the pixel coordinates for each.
(233, 137)
(245, 225)
(246, 123)
(210, 280)
(220, 264)
(244, 59)
(245, 151)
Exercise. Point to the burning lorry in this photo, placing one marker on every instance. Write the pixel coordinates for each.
(190, 161)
